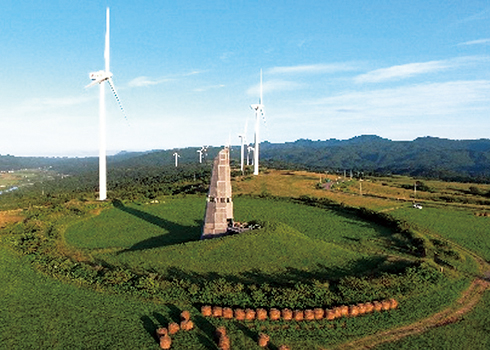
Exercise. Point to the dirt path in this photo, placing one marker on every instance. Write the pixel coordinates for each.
(463, 305)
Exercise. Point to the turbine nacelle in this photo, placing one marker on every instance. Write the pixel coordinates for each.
(99, 77)
(257, 107)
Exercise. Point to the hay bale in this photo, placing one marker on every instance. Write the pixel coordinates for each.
(160, 332)
(186, 325)
(220, 332)
(227, 313)
(309, 315)
(377, 306)
(287, 314)
(274, 314)
(362, 308)
(206, 310)
(239, 314)
(319, 313)
(344, 311)
(394, 303)
(369, 307)
(298, 315)
(353, 311)
(224, 343)
(338, 312)
(173, 328)
(217, 311)
(263, 340)
(386, 305)
(165, 342)
(284, 347)
(249, 314)
(330, 315)
(261, 314)
(185, 315)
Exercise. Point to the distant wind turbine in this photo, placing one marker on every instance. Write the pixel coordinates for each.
(177, 156)
(99, 78)
(200, 155)
(250, 149)
(259, 112)
(243, 139)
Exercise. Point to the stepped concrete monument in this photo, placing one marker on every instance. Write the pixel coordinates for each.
(218, 219)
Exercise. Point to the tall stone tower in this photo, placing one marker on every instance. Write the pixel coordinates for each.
(219, 205)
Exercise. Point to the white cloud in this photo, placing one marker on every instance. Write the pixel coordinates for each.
(145, 81)
(435, 99)
(273, 86)
(475, 42)
(209, 87)
(412, 69)
(313, 68)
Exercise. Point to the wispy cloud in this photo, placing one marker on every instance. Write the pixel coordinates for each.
(475, 42)
(441, 99)
(273, 86)
(209, 87)
(411, 69)
(144, 81)
(313, 68)
(484, 14)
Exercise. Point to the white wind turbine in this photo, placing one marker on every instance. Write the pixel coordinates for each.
(99, 78)
(177, 156)
(243, 138)
(250, 149)
(259, 111)
(200, 154)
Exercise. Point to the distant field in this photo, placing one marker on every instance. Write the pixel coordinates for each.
(459, 225)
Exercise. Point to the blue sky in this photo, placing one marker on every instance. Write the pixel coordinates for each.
(187, 71)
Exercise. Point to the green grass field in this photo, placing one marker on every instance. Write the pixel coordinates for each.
(166, 235)
(459, 225)
(38, 312)
(298, 243)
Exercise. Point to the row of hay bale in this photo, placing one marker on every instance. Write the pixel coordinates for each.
(261, 314)
(223, 340)
(163, 334)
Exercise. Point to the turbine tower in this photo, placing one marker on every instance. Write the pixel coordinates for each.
(177, 156)
(200, 154)
(243, 138)
(99, 78)
(259, 111)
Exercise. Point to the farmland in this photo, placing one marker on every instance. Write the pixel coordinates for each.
(316, 247)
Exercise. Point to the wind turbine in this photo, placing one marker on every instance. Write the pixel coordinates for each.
(200, 154)
(250, 149)
(177, 156)
(259, 111)
(99, 78)
(243, 138)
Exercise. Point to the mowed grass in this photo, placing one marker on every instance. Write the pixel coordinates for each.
(174, 220)
(459, 225)
(164, 236)
(38, 312)
(471, 332)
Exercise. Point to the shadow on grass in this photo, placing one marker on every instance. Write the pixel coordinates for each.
(176, 233)
(366, 267)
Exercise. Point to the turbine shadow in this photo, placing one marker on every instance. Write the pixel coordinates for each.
(176, 234)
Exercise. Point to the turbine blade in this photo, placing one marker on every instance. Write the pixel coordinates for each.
(261, 90)
(91, 84)
(113, 88)
(106, 49)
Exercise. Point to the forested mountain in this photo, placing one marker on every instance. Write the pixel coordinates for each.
(446, 159)
(427, 156)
